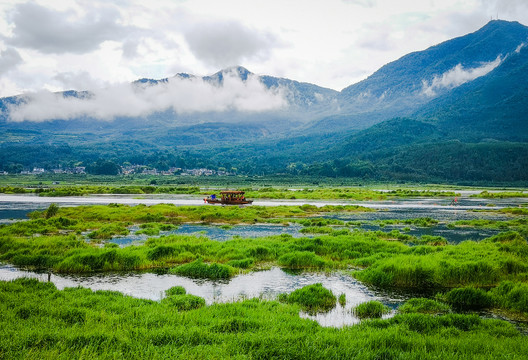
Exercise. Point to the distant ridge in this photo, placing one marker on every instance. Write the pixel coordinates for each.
(397, 89)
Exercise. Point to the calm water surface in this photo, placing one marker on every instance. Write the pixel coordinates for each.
(265, 284)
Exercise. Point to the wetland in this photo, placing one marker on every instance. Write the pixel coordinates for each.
(369, 265)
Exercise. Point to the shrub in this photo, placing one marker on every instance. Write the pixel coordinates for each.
(370, 309)
(52, 210)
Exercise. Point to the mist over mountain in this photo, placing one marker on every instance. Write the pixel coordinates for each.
(464, 98)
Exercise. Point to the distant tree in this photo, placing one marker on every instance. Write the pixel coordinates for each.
(103, 167)
(52, 210)
(14, 168)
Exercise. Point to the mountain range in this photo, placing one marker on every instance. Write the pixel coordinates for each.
(455, 112)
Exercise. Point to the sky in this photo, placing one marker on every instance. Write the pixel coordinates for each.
(54, 45)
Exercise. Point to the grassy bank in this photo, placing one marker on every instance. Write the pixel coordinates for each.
(172, 214)
(482, 264)
(38, 321)
(71, 253)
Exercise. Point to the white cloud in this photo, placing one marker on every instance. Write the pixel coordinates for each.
(9, 59)
(129, 100)
(364, 3)
(226, 43)
(55, 32)
(458, 76)
(77, 80)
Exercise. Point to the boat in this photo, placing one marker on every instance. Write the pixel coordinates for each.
(229, 198)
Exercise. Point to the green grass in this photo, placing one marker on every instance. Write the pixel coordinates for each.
(370, 309)
(107, 231)
(481, 264)
(171, 214)
(389, 260)
(421, 222)
(183, 302)
(199, 269)
(175, 290)
(424, 306)
(501, 195)
(302, 260)
(40, 322)
(512, 296)
(311, 192)
(514, 224)
(342, 300)
(312, 298)
(468, 298)
(509, 211)
(152, 229)
(317, 230)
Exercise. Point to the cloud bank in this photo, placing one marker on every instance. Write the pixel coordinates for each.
(458, 76)
(182, 95)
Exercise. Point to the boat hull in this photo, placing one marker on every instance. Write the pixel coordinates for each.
(232, 202)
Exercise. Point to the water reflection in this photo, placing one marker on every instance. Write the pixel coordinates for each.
(262, 284)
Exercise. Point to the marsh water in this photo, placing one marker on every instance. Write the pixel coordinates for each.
(266, 284)
(16, 207)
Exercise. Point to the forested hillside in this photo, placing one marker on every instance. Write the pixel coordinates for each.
(456, 111)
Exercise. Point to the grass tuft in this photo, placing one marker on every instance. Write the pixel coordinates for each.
(371, 309)
(312, 298)
(199, 269)
(424, 306)
(468, 298)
